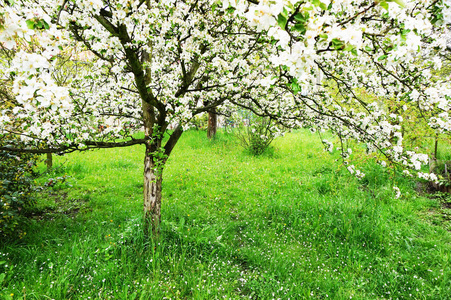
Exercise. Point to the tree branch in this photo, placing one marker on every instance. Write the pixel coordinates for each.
(90, 145)
(170, 144)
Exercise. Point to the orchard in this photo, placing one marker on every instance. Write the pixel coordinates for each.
(154, 65)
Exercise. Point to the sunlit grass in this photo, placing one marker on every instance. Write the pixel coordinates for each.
(292, 225)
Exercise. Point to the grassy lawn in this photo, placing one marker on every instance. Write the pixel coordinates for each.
(292, 225)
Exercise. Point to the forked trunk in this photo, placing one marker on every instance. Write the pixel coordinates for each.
(152, 197)
(212, 123)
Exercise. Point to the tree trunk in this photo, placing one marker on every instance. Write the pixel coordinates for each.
(49, 161)
(212, 123)
(152, 196)
(153, 168)
(436, 145)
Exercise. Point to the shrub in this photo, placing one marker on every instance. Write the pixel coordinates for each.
(256, 134)
(16, 170)
(200, 122)
(16, 190)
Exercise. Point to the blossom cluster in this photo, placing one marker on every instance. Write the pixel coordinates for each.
(336, 51)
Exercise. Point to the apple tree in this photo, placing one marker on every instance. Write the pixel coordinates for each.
(153, 65)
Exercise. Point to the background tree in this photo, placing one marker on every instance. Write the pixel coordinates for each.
(212, 123)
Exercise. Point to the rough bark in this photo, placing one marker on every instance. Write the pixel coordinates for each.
(152, 174)
(152, 196)
(212, 123)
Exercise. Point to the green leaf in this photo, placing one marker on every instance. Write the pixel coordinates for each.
(300, 17)
(299, 27)
(404, 35)
(382, 57)
(337, 44)
(46, 25)
(30, 24)
(399, 2)
(348, 47)
(295, 86)
(319, 4)
(231, 9)
(316, 2)
(384, 4)
(282, 21)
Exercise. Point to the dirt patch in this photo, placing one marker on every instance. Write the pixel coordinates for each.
(62, 206)
(58, 197)
(440, 216)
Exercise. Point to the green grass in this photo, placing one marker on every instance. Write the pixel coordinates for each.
(292, 225)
